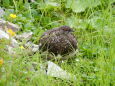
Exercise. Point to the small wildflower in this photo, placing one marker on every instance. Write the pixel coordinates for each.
(1, 61)
(11, 32)
(13, 16)
(21, 47)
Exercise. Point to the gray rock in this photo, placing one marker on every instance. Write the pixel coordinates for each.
(13, 44)
(5, 25)
(32, 47)
(3, 34)
(10, 50)
(1, 12)
(24, 36)
(56, 71)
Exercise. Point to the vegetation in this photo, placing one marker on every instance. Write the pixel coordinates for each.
(93, 22)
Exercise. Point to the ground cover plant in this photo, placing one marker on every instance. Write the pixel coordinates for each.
(93, 22)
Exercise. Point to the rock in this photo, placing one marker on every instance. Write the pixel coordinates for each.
(10, 50)
(24, 36)
(13, 44)
(4, 25)
(32, 47)
(3, 34)
(1, 12)
(55, 71)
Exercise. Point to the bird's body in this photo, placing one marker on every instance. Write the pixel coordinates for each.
(58, 41)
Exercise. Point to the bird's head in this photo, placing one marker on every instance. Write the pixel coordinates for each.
(66, 29)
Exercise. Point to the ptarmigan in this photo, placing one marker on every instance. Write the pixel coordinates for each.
(58, 41)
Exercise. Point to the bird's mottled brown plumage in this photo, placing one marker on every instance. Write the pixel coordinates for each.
(58, 41)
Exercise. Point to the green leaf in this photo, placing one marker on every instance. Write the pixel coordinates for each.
(81, 5)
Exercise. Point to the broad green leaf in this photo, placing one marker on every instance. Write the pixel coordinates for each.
(81, 5)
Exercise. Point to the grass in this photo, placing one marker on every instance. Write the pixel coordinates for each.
(94, 28)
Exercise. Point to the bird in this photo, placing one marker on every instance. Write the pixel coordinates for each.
(58, 41)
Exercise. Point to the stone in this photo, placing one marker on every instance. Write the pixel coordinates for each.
(5, 25)
(3, 34)
(32, 47)
(24, 36)
(1, 12)
(56, 71)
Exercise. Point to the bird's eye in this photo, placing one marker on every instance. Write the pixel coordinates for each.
(65, 29)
